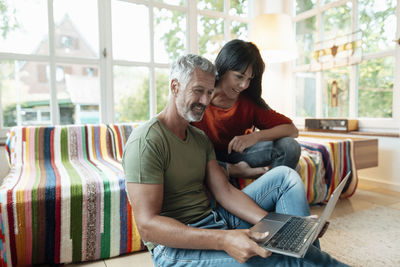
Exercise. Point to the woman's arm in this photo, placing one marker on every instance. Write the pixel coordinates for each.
(241, 142)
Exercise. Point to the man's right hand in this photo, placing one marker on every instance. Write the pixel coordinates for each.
(242, 244)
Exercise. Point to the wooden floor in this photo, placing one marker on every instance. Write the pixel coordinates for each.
(365, 198)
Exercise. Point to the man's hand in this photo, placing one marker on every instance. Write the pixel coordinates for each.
(242, 244)
(241, 142)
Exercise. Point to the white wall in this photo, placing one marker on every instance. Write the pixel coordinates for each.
(387, 174)
(4, 168)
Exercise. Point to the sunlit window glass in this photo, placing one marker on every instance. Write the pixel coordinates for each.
(217, 5)
(304, 5)
(239, 8)
(305, 39)
(337, 21)
(130, 31)
(78, 93)
(336, 84)
(305, 94)
(375, 88)
(25, 93)
(239, 30)
(378, 24)
(173, 2)
(76, 28)
(162, 87)
(131, 94)
(210, 35)
(23, 27)
(170, 33)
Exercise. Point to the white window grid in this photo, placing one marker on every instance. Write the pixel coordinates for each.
(367, 124)
(105, 62)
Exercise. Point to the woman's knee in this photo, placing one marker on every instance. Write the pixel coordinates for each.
(291, 150)
(288, 144)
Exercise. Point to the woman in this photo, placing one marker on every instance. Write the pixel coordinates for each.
(236, 106)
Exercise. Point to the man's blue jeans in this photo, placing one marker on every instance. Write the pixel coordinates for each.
(280, 190)
(281, 152)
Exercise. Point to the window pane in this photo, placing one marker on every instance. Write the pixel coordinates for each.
(131, 94)
(304, 5)
(305, 94)
(170, 35)
(305, 39)
(217, 5)
(239, 8)
(76, 28)
(378, 24)
(78, 93)
(239, 30)
(174, 2)
(337, 22)
(324, 2)
(375, 88)
(336, 92)
(24, 93)
(211, 36)
(24, 27)
(162, 86)
(130, 31)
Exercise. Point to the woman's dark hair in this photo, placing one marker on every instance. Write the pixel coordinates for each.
(238, 55)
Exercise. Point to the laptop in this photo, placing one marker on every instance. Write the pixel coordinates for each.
(292, 235)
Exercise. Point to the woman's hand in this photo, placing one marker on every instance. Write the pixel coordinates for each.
(241, 142)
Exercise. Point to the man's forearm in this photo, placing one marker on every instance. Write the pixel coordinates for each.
(172, 233)
(241, 205)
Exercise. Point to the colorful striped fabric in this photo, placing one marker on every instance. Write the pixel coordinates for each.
(323, 164)
(64, 199)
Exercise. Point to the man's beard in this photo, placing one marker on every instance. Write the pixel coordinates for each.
(192, 114)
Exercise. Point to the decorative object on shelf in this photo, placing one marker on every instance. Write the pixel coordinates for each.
(334, 94)
(340, 51)
(274, 36)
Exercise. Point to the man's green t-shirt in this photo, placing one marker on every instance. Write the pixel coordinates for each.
(154, 155)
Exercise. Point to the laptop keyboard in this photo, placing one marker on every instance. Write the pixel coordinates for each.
(291, 236)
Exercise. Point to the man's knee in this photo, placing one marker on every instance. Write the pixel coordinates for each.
(288, 176)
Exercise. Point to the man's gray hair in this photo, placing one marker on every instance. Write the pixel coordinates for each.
(182, 69)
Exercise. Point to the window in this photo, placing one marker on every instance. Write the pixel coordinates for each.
(67, 70)
(347, 61)
(66, 42)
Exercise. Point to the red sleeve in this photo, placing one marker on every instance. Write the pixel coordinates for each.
(266, 119)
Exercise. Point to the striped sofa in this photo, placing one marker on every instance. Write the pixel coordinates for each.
(322, 165)
(64, 199)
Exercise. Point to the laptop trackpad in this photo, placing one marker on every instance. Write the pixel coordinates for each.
(277, 217)
(271, 223)
(267, 226)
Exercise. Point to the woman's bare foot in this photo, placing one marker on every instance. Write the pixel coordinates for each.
(243, 170)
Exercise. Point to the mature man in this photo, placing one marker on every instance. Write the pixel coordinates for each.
(169, 164)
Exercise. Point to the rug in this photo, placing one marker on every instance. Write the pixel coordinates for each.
(365, 238)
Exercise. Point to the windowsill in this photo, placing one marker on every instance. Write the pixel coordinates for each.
(376, 134)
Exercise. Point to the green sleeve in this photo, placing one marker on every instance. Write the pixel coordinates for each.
(142, 162)
(210, 149)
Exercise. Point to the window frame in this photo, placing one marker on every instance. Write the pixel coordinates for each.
(365, 124)
(105, 61)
